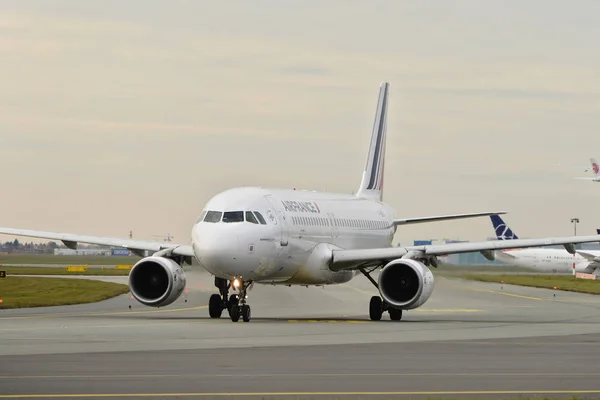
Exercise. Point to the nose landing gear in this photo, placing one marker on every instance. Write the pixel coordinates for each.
(235, 304)
(240, 309)
(219, 302)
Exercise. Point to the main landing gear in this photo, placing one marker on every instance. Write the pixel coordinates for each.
(377, 306)
(235, 304)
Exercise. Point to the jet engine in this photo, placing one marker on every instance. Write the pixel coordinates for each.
(156, 281)
(405, 284)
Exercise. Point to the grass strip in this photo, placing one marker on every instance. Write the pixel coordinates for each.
(10, 259)
(63, 271)
(560, 282)
(22, 292)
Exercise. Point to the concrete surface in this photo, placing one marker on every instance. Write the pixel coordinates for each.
(471, 338)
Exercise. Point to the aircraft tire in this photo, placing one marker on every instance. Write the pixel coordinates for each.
(246, 313)
(395, 314)
(375, 308)
(233, 299)
(215, 306)
(235, 313)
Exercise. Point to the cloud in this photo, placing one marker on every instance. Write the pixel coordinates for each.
(305, 70)
(522, 94)
(124, 96)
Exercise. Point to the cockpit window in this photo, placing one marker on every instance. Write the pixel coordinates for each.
(233, 216)
(213, 216)
(260, 218)
(201, 217)
(251, 218)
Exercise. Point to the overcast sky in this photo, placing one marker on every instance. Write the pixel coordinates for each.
(119, 115)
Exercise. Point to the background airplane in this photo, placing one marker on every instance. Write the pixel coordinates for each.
(544, 259)
(595, 168)
(251, 235)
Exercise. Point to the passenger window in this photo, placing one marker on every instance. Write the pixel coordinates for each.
(260, 218)
(251, 218)
(233, 216)
(213, 216)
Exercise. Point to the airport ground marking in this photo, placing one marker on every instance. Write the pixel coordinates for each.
(275, 375)
(446, 310)
(102, 314)
(372, 293)
(62, 327)
(284, 394)
(465, 287)
(510, 294)
(418, 309)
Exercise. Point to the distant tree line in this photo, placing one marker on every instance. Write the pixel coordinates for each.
(28, 247)
(38, 248)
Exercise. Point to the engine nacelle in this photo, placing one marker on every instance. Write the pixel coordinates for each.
(156, 281)
(405, 284)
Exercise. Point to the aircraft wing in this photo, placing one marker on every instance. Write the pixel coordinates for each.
(353, 259)
(419, 220)
(70, 240)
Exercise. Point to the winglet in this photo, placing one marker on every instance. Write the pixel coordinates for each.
(371, 185)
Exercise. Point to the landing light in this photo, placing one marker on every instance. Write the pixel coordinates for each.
(236, 283)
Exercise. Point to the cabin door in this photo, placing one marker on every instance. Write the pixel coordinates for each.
(279, 219)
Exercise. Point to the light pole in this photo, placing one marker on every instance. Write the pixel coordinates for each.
(575, 221)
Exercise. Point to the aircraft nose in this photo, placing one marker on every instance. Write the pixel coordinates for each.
(216, 249)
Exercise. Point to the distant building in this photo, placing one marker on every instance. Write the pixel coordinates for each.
(82, 252)
(120, 252)
(92, 252)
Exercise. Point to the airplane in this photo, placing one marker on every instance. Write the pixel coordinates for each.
(541, 259)
(255, 235)
(595, 169)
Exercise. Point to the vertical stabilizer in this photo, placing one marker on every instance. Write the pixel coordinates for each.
(371, 185)
(595, 168)
(503, 232)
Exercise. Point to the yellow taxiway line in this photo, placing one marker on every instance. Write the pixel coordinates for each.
(285, 394)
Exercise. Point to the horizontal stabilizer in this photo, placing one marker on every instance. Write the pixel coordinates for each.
(420, 220)
(507, 254)
(589, 256)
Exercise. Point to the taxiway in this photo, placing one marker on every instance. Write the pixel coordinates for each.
(471, 338)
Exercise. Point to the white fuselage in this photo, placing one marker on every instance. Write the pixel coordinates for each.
(291, 246)
(545, 260)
